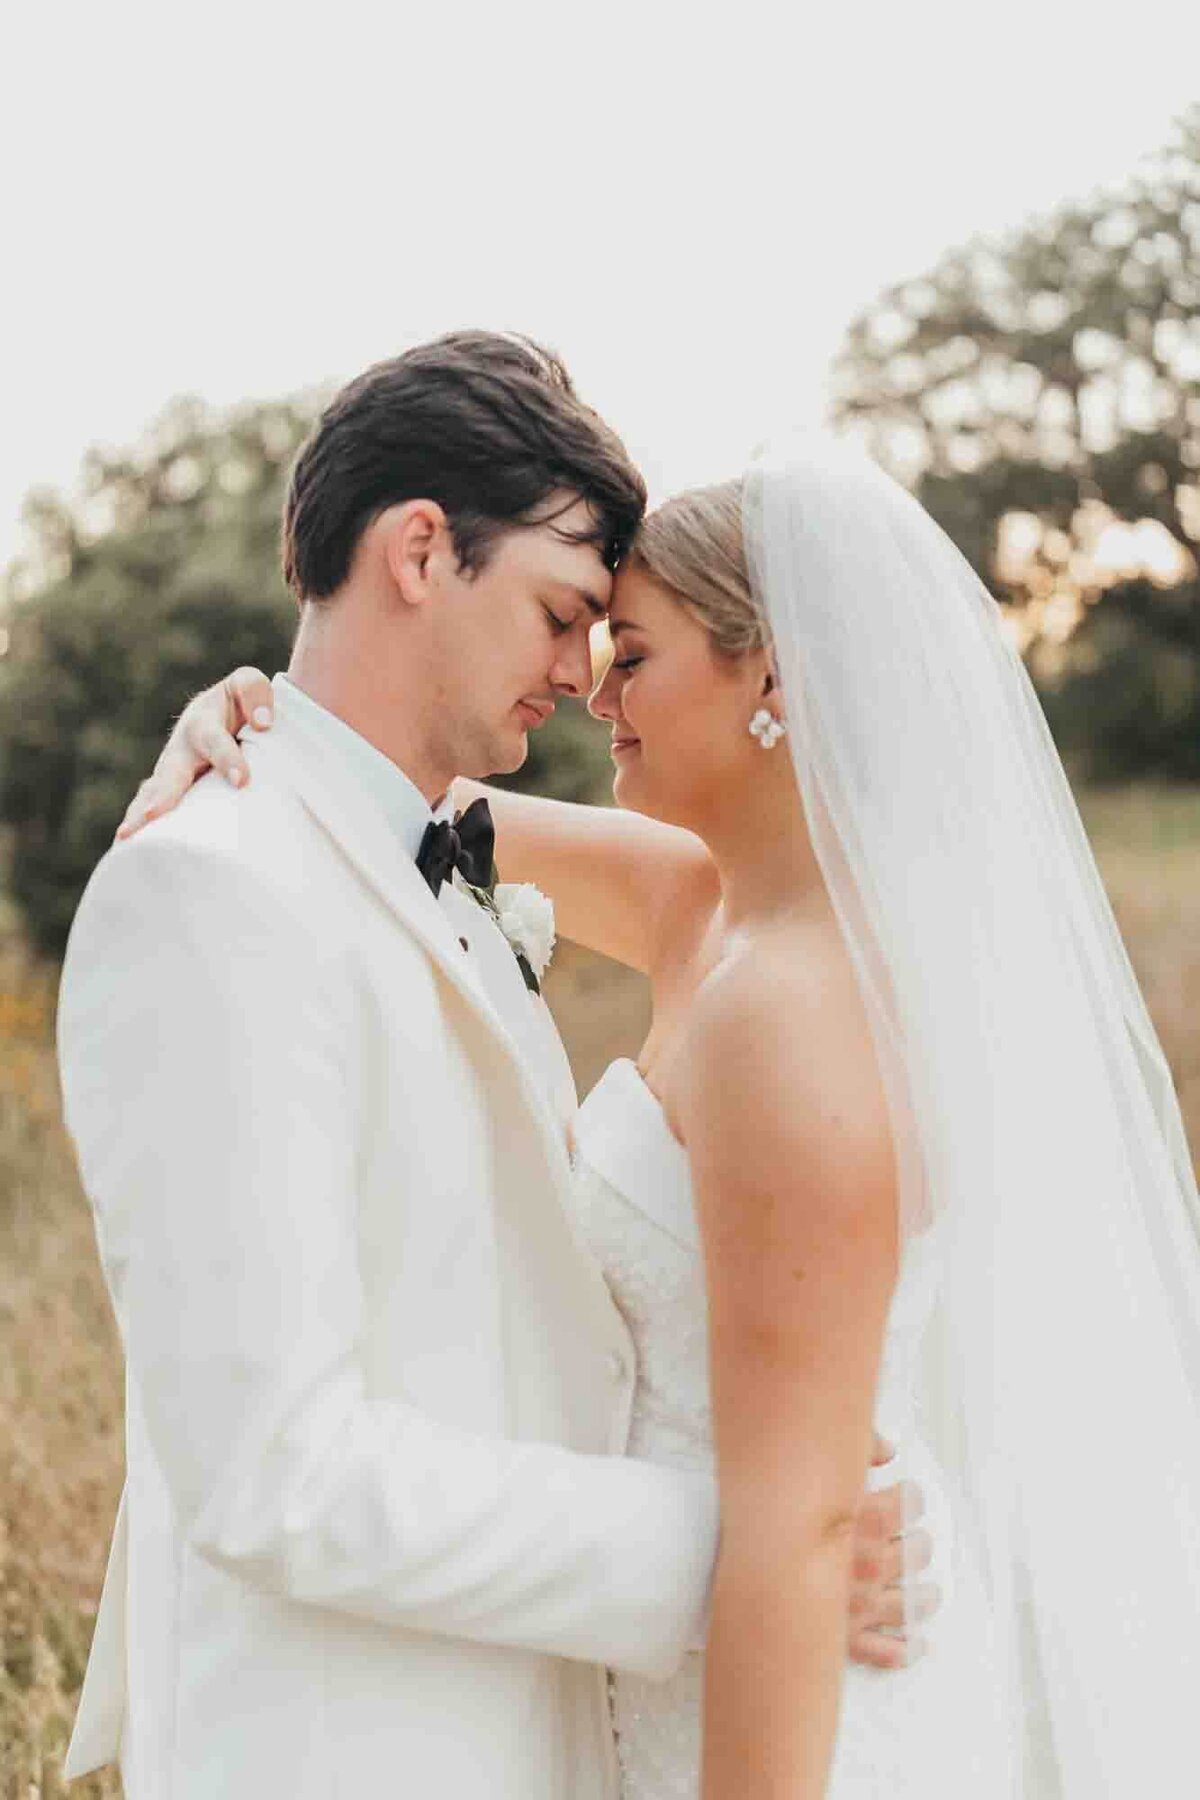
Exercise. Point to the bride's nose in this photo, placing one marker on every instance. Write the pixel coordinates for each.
(603, 702)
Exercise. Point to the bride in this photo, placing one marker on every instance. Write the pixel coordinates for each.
(901, 1150)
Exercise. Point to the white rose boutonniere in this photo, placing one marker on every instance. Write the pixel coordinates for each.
(526, 917)
(464, 853)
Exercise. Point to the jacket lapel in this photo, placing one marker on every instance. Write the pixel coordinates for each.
(348, 816)
(362, 834)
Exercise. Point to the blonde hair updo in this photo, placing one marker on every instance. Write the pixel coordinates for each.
(693, 545)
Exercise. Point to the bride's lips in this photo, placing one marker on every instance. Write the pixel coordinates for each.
(534, 713)
(621, 744)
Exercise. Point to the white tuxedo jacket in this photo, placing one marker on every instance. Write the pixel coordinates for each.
(378, 1534)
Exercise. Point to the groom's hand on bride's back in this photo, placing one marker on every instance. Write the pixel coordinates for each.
(890, 1547)
(204, 738)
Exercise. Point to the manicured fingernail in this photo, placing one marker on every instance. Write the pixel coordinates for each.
(261, 716)
(236, 777)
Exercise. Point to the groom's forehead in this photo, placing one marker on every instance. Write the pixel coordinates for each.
(569, 544)
(577, 571)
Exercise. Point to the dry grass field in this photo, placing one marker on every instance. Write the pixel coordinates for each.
(60, 1382)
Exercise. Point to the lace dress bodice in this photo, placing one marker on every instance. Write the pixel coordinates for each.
(635, 1210)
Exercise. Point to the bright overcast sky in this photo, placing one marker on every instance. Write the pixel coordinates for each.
(690, 202)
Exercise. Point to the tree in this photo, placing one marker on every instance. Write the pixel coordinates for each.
(160, 579)
(1042, 394)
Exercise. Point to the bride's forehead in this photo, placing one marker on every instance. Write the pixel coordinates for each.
(636, 596)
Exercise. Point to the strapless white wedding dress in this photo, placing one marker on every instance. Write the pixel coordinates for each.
(923, 1731)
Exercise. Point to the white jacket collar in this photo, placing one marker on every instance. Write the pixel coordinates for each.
(398, 798)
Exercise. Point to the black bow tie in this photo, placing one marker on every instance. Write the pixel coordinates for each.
(469, 845)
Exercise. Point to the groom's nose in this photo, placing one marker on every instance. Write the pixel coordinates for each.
(572, 671)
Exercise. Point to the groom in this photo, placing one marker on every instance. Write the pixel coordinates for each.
(378, 1533)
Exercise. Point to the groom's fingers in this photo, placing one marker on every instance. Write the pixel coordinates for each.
(884, 1650)
(909, 1555)
(889, 1513)
(899, 1607)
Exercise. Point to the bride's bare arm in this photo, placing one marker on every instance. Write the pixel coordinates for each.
(618, 881)
(787, 1133)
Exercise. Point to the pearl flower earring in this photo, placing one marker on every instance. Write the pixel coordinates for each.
(766, 728)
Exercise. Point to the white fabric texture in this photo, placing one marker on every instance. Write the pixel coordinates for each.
(1058, 1385)
(378, 1527)
(635, 1206)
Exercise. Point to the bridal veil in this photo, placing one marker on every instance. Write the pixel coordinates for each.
(1037, 1129)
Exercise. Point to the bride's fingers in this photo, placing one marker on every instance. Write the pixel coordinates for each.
(173, 775)
(140, 808)
(252, 698)
(211, 747)
(176, 771)
(203, 740)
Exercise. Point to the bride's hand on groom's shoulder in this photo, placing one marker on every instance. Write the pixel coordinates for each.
(889, 1548)
(204, 738)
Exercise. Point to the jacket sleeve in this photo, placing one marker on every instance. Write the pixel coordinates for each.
(207, 1050)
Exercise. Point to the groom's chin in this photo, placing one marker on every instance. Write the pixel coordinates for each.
(503, 756)
(518, 753)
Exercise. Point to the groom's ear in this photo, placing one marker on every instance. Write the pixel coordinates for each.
(414, 537)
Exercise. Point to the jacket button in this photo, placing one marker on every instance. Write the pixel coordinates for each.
(464, 943)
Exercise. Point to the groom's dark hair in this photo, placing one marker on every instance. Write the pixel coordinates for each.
(488, 425)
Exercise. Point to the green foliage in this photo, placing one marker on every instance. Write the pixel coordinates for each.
(1124, 694)
(160, 580)
(1052, 381)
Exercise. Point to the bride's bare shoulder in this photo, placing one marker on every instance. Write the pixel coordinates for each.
(779, 982)
(778, 1044)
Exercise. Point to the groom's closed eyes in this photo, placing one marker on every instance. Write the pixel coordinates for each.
(568, 604)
